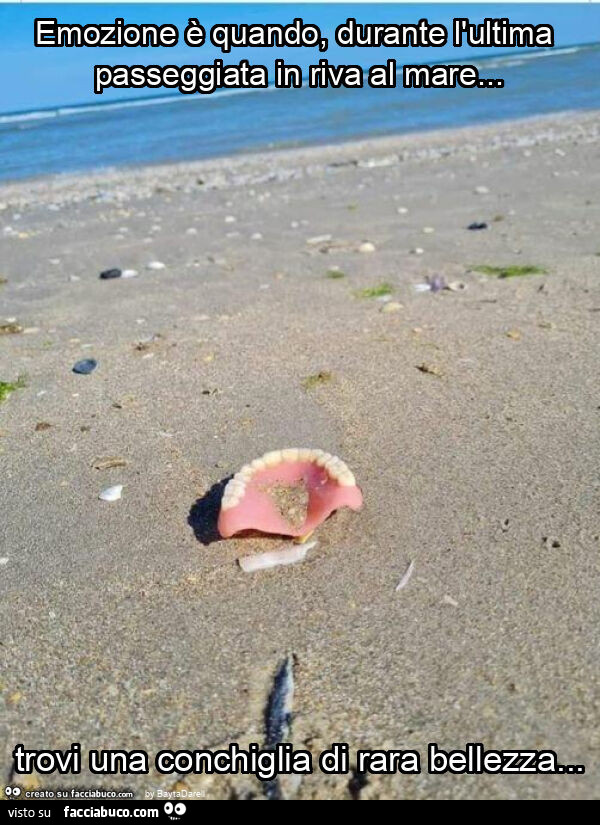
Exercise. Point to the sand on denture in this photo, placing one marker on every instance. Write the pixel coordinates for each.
(291, 501)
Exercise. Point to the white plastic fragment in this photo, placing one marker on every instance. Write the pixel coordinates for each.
(155, 265)
(406, 577)
(276, 558)
(129, 273)
(111, 493)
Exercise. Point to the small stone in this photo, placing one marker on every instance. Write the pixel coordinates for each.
(366, 247)
(230, 219)
(449, 600)
(475, 226)
(428, 230)
(85, 366)
(191, 231)
(257, 236)
(109, 274)
(402, 210)
(155, 265)
(129, 273)
(456, 286)
(417, 251)
(31, 330)
(392, 306)
(514, 334)
(111, 493)
(41, 426)
(481, 190)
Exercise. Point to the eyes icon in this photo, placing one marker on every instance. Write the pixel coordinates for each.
(174, 811)
(8, 791)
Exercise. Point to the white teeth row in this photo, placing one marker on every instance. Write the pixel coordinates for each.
(335, 467)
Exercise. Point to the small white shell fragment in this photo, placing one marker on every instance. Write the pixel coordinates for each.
(406, 577)
(367, 247)
(317, 239)
(155, 265)
(481, 190)
(428, 230)
(230, 219)
(417, 251)
(276, 558)
(3, 561)
(129, 273)
(449, 600)
(111, 493)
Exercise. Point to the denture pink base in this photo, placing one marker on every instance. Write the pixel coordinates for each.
(257, 511)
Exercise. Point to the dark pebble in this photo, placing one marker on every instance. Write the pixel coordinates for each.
(475, 226)
(86, 366)
(110, 273)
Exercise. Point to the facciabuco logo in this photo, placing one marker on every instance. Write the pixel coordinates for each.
(175, 811)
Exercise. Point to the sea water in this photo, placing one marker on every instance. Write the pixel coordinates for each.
(173, 127)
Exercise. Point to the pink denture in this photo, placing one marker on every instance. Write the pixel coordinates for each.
(248, 502)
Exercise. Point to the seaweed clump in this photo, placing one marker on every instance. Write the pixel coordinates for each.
(509, 271)
(379, 291)
(8, 387)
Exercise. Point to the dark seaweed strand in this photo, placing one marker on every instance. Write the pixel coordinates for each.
(277, 719)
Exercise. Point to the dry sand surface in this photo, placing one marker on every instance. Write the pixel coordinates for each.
(470, 418)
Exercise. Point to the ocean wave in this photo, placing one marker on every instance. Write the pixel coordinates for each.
(489, 61)
(64, 111)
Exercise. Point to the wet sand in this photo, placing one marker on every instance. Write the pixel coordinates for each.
(470, 419)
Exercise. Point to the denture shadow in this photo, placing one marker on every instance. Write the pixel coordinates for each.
(204, 514)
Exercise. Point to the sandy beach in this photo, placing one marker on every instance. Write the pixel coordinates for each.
(293, 310)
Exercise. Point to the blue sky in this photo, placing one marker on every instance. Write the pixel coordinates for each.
(32, 78)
